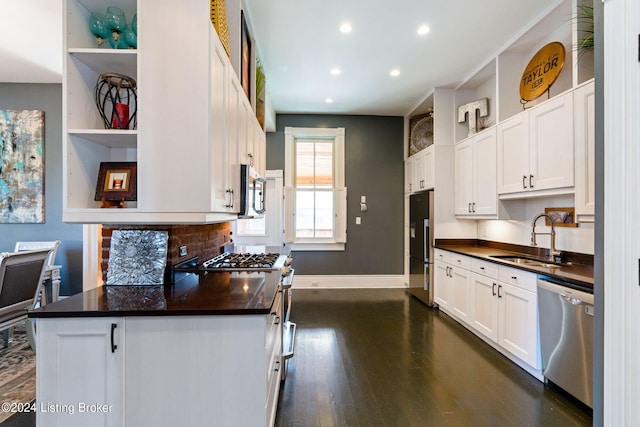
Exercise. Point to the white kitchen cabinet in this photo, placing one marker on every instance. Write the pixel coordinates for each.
(496, 302)
(518, 314)
(518, 323)
(80, 362)
(475, 176)
(408, 175)
(226, 368)
(584, 123)
(460, 294)
(160, 370)
(443, 284)
(485, 305)
(180, 142)
(536, 150)
(423, 170)
(452, 284)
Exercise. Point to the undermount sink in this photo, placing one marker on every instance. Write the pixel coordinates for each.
(524, 261)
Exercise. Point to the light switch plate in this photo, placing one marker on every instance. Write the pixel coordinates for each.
(358, 220)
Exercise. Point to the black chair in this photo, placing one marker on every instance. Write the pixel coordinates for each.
(20, 287)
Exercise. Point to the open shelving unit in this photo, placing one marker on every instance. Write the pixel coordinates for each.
(86, 141)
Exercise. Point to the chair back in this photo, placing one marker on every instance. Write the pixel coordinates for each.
(20, 281)
(31, 246)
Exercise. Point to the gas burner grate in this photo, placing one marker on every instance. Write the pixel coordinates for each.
(244, 261)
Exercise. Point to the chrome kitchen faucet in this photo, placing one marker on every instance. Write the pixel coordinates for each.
(553, 253)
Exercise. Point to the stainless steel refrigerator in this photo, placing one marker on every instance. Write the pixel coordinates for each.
(421, 246)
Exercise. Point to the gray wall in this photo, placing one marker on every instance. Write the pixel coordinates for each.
(374, 164)
(47, 97)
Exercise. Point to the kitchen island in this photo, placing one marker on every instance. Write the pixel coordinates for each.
(205, 350)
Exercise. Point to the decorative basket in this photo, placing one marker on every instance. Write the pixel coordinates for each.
(219, 20)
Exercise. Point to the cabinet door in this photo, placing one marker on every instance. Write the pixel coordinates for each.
(460, 293)
(219, 150)
(584, 122)
(442, 284)
(80, 361)
(233, 142)
(484, 297)
(419, 171)
(551, 145)
(518, 323)
(408, 175)
(513, 154)
(485, 200)
(463, 178)
(429, 168)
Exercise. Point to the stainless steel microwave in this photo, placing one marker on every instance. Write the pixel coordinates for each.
(252, 193)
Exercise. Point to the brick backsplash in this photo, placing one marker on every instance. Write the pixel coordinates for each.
(202, 241)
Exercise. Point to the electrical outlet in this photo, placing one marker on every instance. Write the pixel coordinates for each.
(183, 251)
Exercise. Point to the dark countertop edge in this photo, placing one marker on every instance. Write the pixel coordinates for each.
(462, 248)
(49, 312)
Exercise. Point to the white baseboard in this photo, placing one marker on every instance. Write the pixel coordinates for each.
(349, 281)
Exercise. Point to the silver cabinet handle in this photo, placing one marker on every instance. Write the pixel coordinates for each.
(473, 207)
(499, 294)
(524, 180)
(531, 181)
(493, 289)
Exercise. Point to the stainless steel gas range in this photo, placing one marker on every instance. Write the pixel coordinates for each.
(244, 259)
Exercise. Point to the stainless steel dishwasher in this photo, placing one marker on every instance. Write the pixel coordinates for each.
(566, 338)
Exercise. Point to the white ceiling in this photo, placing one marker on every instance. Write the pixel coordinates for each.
(299, 42)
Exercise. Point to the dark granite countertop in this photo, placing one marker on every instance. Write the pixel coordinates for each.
(218, 293)
(580, 275)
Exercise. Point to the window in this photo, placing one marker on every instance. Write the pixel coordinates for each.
(315, 196)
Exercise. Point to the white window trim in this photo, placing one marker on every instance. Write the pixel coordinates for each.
(340, 222)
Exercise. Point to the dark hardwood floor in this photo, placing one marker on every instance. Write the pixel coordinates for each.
(382, 358)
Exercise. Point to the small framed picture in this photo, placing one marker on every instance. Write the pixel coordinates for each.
(117, 181)
(562, 217)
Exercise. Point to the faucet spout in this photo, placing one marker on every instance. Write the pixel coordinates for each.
(552, 235)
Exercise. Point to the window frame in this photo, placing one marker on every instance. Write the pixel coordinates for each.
(336, 135)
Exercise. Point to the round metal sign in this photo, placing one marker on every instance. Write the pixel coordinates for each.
(542, 71)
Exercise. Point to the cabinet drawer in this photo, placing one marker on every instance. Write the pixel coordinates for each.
(520, 278)
(441, 255)
(460, 261)
(273, 359)
(485, 268)
(274, 321)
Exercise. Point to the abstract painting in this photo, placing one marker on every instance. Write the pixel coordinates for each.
(21, 166)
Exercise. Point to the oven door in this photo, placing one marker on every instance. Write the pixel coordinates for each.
(252, 193)
(288, 327)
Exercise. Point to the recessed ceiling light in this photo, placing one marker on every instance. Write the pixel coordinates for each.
(423, 30)
(345, 28)
(336, 71)
(328, 100)
(395, 72)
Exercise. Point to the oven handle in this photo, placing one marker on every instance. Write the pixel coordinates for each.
(287, 280)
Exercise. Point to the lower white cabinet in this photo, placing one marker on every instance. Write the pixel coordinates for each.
(484, 292)
(498, 303)
(453, 281)
(160, 370)
(79, 363)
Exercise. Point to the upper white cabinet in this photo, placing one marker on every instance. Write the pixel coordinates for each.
(422, 170)
(535, 150)
(475, 175)
(584, 125)
(187, 168)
